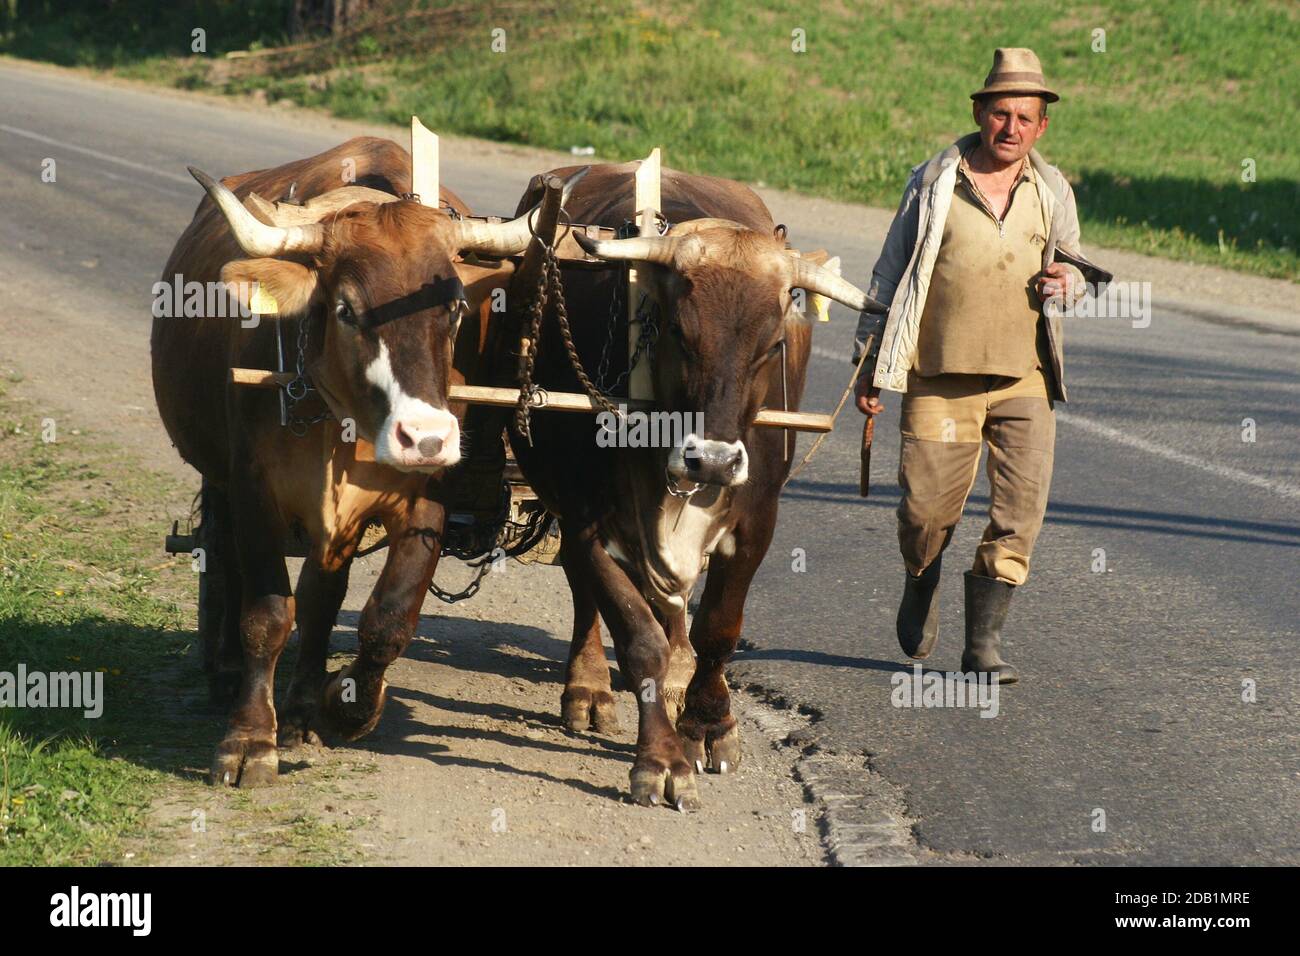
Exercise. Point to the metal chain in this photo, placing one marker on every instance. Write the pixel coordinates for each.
(550, 289)
(615, 304)
(451, 597)
(647, 314)
(528, 397)
(297, 389)
(511, 539)
(562, 319)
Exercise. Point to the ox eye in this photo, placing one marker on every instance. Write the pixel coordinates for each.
(344, 313)
(770, 354)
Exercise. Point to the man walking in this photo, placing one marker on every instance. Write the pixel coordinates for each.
(978, 263)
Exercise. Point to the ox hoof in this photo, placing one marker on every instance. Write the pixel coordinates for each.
(714, 748)
(673, 787)
(348, 711)
(298, 719)
(245, 763)
(295, 732)
(583, 709)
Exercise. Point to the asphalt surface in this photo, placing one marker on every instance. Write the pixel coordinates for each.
(1131, 700)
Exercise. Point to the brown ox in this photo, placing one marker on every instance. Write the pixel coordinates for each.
(632, 546)
(374, 283)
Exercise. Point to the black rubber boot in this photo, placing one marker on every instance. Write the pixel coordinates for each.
(987, 602)
(918, 612)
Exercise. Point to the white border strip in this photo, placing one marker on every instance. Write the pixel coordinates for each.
(175, 177)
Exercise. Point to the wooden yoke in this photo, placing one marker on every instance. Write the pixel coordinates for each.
(424, 182)
(646, 204)
(555, 401)
(424, 164)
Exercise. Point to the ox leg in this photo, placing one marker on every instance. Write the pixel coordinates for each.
(354, 696)
(710, 737)
(681, 664)
(588, 699)
(220, 597)
(247, 756)
(319, 596)
(660, 772)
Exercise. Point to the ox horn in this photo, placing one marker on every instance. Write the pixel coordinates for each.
(810, 276)
(498, 239)
(661, 250)
(501, 239)
(255, 237)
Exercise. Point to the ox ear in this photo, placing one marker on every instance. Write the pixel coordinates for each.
(273, 288)
(817, 256)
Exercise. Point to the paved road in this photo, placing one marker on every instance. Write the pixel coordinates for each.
(1132, 698)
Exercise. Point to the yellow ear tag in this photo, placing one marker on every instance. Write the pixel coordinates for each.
(822, 306)
(263, 303)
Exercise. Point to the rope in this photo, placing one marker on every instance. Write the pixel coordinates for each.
(848, 390)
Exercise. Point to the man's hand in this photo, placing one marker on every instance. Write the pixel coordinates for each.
(1058, 279)
(867, 396)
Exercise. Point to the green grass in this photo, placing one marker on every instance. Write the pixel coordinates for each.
(85, 586)
(65, 802)
(1153, 132)
(80, 590)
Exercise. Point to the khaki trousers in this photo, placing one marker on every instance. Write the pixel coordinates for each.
(945, 420)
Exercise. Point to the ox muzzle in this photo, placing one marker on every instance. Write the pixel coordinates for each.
(709, 462)
(414, 436)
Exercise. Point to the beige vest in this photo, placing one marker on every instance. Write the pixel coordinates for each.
(982, 314)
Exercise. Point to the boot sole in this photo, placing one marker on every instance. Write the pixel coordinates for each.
(923, 650)
(1004, 678)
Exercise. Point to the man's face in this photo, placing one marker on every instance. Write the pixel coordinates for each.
(1010, 125)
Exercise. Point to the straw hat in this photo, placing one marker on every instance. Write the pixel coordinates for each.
(1016, 70)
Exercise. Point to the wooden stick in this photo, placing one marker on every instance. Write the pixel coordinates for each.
(864, 474)
(868, 429)
(260, 378)
(424, 164)
(645, 205)
(555, 401)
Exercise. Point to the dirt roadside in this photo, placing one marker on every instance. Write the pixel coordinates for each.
(470, 764)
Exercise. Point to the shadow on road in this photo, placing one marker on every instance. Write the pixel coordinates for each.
(1208, 527)
(458, 648)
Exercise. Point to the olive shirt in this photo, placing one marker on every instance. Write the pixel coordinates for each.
(901, 276)
(982, 313)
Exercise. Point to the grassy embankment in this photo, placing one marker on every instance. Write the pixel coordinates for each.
(85, 587)
(1153, 131)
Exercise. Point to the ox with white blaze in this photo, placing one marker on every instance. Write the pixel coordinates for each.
(367, 286)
